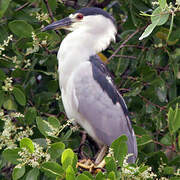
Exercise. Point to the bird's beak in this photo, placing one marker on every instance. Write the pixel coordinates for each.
(61, 24)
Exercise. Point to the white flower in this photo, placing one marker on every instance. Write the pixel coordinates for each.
(8, 84)
(5, 43)
(33, 159)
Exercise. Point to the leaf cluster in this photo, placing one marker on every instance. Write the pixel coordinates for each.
(145, 63)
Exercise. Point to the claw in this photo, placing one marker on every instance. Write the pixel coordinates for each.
(94, 167)
(85, 164)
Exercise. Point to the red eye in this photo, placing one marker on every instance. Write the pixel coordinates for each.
(79, 16)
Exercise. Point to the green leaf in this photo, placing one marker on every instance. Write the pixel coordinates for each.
(3, 7)
(18, 172)
(136, 89)
(2, 94)
(168, 170)
(162, 4)
(174, 119)
(30, 115)
(67, 158)
(45, 127)
(176, 124)
(19, 95)
(83, 177)
(166, 140)
(112, 175)
(100, 176)
(52, 169)
(120, 149)
(170, 30)
(21, 28)
(33, 174)
(67, 135)
(179, 140)
(28, 144)
(87, 173)
(170, 120)
(9, 103)
(159, 17)
(110, 164)
(11, 155)
(70, 174)
(56, 150)
(2, 75)
(41, 141)
(54, 122)
(148, 30)
(145, 139)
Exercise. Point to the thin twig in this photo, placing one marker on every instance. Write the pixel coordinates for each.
(49, 10)
(146, 100)
(163, 145)
(51, 15)
(156, 105)
(136, 46)
(125, 56)
(21, 7)
(122, 45)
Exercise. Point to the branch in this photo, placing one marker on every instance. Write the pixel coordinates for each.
(125, 56)
(156, 105)
(49, 10)
(123, 44)
(163, 145)
(21, 7)
(51, 15)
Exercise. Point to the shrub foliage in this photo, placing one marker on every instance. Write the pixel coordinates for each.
(36, 139)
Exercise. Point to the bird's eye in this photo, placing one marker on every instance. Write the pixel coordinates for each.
(79, 16)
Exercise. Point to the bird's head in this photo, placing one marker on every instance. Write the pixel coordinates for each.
(93, 21)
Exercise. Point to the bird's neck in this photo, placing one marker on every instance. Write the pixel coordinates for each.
(85, 42)
(76, 48)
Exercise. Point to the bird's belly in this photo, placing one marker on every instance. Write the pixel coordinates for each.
(71, 108)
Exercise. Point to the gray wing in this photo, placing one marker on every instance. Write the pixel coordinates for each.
(101, 105)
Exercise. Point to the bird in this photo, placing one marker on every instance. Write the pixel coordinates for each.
(88, 92)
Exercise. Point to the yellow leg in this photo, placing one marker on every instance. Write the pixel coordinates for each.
(95, 167)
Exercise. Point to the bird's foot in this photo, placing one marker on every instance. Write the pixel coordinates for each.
(87, 164)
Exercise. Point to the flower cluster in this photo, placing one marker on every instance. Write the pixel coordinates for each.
(42, 17)
(154, 3)
(11, 134)
(5, 43)
(111, 152)
(35, 47)
(34, 159)
(161, 166)
(27, 63)
(136, 173)
(8, 84)
(36, 44)
(16, 62)
(70, 123)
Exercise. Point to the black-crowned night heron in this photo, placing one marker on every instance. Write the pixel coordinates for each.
(88, 93)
